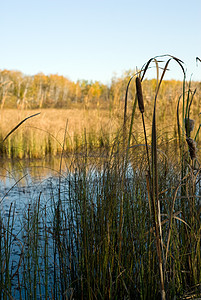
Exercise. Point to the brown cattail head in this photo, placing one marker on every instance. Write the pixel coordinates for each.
(192, 147)
(189, 126)
(139, 94)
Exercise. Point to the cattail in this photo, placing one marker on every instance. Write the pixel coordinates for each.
(189, 125)
(192, 147)
(139, 94)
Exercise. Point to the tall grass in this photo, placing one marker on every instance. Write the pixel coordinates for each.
(42, 136)
(153, 175)
(123, 223)
(78, 243)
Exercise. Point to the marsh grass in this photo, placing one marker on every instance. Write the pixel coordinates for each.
(122, 222)
(74, 243)
(41, 136)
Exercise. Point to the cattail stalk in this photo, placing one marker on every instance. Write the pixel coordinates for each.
(154, 192)
(189, 126)
(192, 147)
(141, 108)
(139, 95)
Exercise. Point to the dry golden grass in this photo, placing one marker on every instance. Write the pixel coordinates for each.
(44, 132)
(53, 120)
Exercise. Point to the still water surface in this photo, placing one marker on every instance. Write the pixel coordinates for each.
(21, 185)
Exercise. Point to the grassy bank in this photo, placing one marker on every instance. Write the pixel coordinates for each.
(42, 136)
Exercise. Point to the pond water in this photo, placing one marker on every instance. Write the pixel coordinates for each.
(21, 183)
(24, 185)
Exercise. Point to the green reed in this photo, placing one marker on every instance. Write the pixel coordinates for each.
(77, 244)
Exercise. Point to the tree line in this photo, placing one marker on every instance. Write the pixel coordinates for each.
(54, 91)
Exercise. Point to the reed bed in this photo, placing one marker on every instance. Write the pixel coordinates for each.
(72, 242)
(121, 223)
(42, 136)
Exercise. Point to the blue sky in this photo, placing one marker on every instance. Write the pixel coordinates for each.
(96, 39)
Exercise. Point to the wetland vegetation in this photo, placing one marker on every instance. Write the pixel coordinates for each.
(120, 217)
